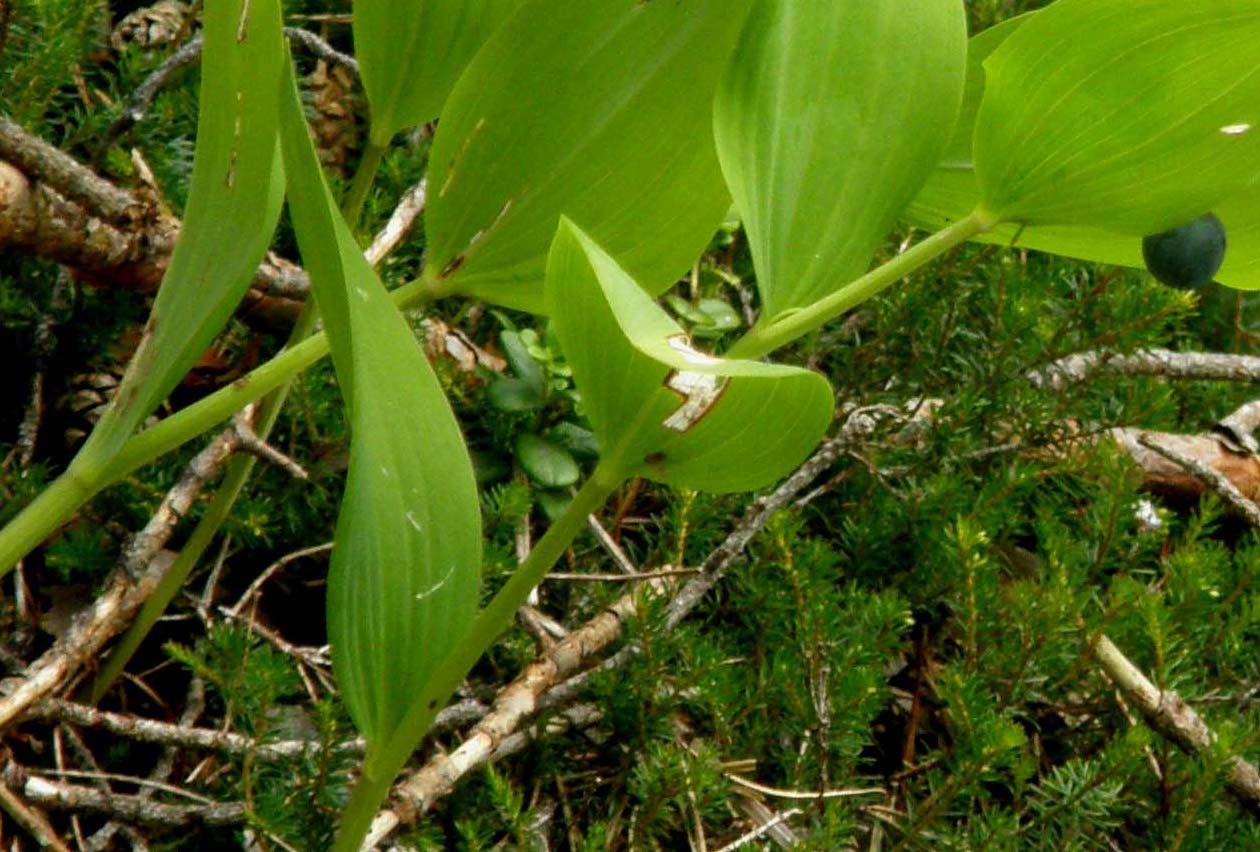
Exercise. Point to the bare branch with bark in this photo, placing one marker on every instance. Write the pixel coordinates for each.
(1174, 719)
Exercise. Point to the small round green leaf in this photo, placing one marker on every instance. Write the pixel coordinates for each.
(548, 463)
(513, 395)
(522, 362)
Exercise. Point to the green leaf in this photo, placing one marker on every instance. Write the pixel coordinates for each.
(828, 121)
(548, 463)
(953, 191)
(233, 205)
(513, 395)
(659, 408)
(1132, 117)
(598, 111)
(523, 364)
(411, 52)
(405, 570)
(719, 316)
(581, 442)
(553, 503)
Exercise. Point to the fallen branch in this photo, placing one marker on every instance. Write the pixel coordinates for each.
(579, 716)
(514, 704)
(1174, 719)
(189, 54)
(38, 218)
(1204, 366)
(48, 164)
(31, 820)
(141, 567)
(54, 795)
(1220, 484)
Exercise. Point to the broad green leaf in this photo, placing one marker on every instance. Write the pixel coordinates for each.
(828, 120)
(599, 111)
(1133, 116)
(233, 205)
(953, 191)
(411, 52)
(405, 570)
(661, 409)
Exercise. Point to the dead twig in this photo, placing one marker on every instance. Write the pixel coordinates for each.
(401, 221)
(1240, 426)
(1217, 482)
(761, 830)
(42, 346)
(580, 716)
(251, 443)
(516, 702)
(49, 165)
(803, 795)
(271, 570)
(140, 569)
(188, 55)
(225, 742)
(31, 820)
(137, 106)
(1211, 366)
(622, 578)
(1174, 719)
(132, 808)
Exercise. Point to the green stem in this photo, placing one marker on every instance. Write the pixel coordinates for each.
(364, 177)
(384, 762)
(51, 508)
(81, 482)
(765, 339)
(238, 472)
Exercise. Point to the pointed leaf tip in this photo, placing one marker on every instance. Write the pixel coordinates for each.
(403, 582)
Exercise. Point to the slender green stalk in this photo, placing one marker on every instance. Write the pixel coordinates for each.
(765, 339)
(238, 472)
(364, 177)
(81, 482)
(51, 508)
(385, 761)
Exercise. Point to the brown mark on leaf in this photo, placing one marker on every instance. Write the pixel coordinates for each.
(242, 26)
(236, 141)
(452, 167)
(699, 391)
(451, 268)
(656, 459)
(481, 233)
